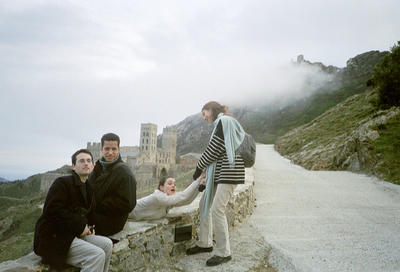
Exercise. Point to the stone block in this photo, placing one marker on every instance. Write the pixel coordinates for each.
(121, 245)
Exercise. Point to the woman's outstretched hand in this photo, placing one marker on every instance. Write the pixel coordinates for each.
(202, 181)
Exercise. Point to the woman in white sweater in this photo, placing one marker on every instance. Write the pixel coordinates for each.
(157, 204)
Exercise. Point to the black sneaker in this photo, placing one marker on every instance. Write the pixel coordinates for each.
(216, 260)
(197, 249)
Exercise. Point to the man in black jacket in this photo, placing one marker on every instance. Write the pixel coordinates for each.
(114, 188)
(62, 233)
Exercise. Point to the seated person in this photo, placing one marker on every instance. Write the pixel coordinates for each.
(157, 204)
(62, 233)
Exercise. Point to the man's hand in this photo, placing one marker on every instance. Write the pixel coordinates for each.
(87, 231)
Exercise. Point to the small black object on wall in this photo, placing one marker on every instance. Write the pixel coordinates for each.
(183, 233)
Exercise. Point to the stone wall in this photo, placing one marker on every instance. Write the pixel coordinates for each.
(46, 180)
(150, 245)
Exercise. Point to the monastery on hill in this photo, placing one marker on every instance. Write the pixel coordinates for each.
(147, 161)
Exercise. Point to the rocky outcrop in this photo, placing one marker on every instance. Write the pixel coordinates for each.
(330, 69)
(340, 139)
(355, 153)
(363, 64)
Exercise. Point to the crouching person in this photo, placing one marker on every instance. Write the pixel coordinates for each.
(64, 233)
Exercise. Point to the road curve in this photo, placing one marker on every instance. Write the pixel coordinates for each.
(324, 220)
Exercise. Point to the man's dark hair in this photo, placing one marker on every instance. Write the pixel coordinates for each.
(109, 137)
(73, 158)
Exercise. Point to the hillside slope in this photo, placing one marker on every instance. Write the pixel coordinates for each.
(354, 135)
(19, 201)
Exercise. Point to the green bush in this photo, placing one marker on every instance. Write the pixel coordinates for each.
(387, 148)
(386, 78)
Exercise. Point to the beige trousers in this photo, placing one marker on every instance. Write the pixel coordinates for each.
(90, 253)
(216, 219)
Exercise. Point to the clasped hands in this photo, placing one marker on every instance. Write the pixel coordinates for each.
(89, 230)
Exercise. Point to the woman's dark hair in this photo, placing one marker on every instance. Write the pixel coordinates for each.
(162, 182)
(216, 108)
(73, 157)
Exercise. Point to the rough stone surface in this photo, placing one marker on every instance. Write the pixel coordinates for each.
(350, 150)
(249, 250)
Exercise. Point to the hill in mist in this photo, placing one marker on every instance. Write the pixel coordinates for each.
(320, 88)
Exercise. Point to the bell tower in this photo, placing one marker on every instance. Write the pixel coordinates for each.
(148, 142)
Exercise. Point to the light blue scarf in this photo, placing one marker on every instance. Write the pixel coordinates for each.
(233, 137)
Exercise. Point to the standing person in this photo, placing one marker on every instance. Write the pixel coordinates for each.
(224, 170)
(157, 204)
(114, 188)
(62, 233)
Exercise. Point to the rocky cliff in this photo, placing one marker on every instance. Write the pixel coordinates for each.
(193, 134)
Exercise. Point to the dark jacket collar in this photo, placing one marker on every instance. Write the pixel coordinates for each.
(109, 165)
(77, 179)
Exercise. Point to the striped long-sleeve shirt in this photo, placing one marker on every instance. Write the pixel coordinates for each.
(215, 151)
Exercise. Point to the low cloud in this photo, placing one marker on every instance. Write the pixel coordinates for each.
(281, 84)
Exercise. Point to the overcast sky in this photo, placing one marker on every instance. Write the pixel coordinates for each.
(73, 70)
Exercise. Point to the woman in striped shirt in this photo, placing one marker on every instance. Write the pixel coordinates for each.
(224, 170)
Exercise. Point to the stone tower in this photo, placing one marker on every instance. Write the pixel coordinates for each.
(168, 142)
(300, 59)
(94, 148)
(148, 142)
